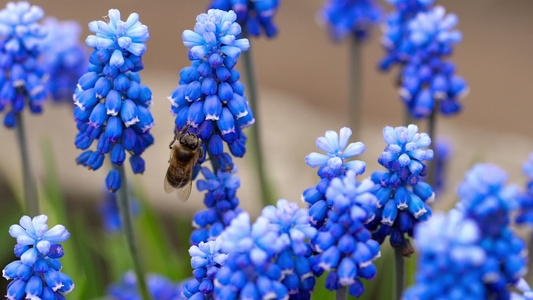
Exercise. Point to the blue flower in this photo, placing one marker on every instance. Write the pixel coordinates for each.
(108, 209)
(269, 259)
(37, 274)
(451, 259)
(112, 104)
(206, 259)
(402, 199)
(350, 17)
(488, 201)
(159, 288)
(444, 152)
(524, 287)
(21, 77)
(345, 245)
(221, 201)
(255, 15)
(63, 56)
(210, 99)
(525, 214)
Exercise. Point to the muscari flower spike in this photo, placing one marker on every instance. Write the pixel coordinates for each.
(63, 56)
(350, 17)
(22, 78)
(269, 259)
(206, 259)
(110, 214)
(427, 78)
(255, 16)
(525, 214)
(450, 259)
(37, 274)
(335, 163)
(402, 197)
(345, 245)
(488, 201)
(221, 201)
(444, 149)
(210, 98)
(159, 287)
(112, 104)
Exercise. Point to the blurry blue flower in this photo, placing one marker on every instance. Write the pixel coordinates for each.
(210, 98)
(269, 259)
(206, 259)
(37, 274)
(63, 56)
(351, 17)
(444, 153)
(159, 287)
(221, 201)
(108, 209)
(112, 104)
(488, 201)
(345, 245)
(525, 214)
(255, 15)
(524, 287)
(451, 259)
(402, 199)
(21, 77)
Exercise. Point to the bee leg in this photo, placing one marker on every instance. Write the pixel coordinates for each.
(173, 140)
(201, 152)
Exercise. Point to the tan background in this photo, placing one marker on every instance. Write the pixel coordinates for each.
(303, 86)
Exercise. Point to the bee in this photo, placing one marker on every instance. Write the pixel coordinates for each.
(186, 151)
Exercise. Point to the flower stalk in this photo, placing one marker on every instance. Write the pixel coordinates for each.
(399, 273)
(127, 221)
(30, 188)
(341, 293)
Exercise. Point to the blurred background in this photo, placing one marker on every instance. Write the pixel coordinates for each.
(303, 87)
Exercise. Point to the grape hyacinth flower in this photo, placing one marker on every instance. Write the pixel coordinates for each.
(109, 211)
(112, 104)
(488, 201)
(451, 259)
(524, 287)
(402, 197)
(350, 17)
(63, 56)
(210, 98)
(442, 160)
(37, 274)
(22, 78)
(206, 259)
(426, 77)
(256, 16)
(345, 245)
(525, 214)
(159, 286)
(269, 259)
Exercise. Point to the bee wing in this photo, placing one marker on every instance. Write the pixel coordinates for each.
(184, 192)
(168, 187)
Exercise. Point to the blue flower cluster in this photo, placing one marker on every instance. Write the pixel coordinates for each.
(206, 259)
(210, 98)
(402, 198)
(159, 287)
(525, 214)
(351, 17)
(254, 15)
(488, 201)
(112, 104)
(523, 287)
(21, 76)
(345, 245)
(63, 57)
(221, 201)
(269, 259)
(108, 209)
(37, 274)
(444, 150)
(451, 259)
(427, 78)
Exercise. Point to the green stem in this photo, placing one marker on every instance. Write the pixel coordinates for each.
(355, 100)
(408, 118)
(127, 223)
(341, 293)
(255, 135)
(30, 188)
(432, 131)
(399, 272)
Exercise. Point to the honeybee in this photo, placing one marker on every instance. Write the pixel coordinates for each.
(186, 151)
